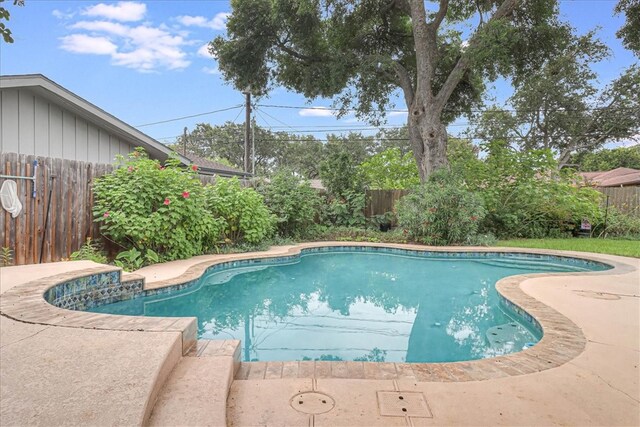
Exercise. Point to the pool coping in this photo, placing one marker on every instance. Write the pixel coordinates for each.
(562, 341)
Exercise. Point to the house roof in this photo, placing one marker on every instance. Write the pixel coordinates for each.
(207, 165)
(52, 91)
(614, 178)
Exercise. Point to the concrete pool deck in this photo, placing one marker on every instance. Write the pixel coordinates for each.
(56, 375)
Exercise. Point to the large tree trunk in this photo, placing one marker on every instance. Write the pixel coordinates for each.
(428, 136)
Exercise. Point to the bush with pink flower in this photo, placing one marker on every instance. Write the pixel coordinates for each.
(158, 210)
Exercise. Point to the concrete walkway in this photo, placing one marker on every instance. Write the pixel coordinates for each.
(52, 375)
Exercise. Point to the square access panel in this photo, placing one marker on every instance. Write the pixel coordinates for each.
(403, 404)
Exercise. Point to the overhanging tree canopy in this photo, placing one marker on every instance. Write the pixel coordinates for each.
(361, 52)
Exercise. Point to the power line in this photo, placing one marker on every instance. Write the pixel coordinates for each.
(474, 110)
(189, 117)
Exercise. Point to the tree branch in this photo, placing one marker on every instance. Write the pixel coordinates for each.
(465, 59)
(440, 15)
(296, 54)
(405, 82)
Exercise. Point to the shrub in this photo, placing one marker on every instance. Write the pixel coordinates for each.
(293, 202)
(525, 195)
(619, 225)
(346, 210)
(6, 257)
(355, 234)
(441, 212)
(157, 210)
(89, 251)
(243, 211)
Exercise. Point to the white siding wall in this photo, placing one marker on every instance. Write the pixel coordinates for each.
(30, 124)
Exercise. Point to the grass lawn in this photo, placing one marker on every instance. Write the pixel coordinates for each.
(604, 246)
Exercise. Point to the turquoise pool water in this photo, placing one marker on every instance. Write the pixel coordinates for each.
(359, 305)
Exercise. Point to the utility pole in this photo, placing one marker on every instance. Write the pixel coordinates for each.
(184, 142)
(247, 127)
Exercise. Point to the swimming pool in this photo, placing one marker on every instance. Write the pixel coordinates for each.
(371, 304)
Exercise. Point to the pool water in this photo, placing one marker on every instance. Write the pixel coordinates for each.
(370, 306)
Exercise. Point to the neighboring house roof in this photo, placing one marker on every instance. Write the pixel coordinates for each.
(207, 165)
(620, 177)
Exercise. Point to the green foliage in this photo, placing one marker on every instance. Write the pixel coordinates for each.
(619, 224)
(553, 107)
(6, 257)
(339, 172)
(441, 212)
(629, 32)
(608, 159)
(525, 195)
(358, 234)
(274, 150)
(154, 209)
(245, 216)
(5, 32)
(390, 170)
(346, 210)
(293, 202)
(133, 259)
(90, 251)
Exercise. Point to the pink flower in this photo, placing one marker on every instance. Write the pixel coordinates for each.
(194, 168)
(106, 214)
(167, 201)
(185, 194)
(130, 168)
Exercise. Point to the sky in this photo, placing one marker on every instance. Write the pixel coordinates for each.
(146, 62)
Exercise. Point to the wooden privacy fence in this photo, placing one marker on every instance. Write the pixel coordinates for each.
(625, 199)
(70, 220)
(381, 201)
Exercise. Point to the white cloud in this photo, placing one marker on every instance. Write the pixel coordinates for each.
(81, 43)
(204, 51)
(316, 112)
(62, 15)
(143, 47)
(125, 11)
(218, 22)
(210, 70)
(102, 26)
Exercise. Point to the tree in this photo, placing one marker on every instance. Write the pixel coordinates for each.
(273, 149)
(605, 160)
(4, 16)
(363, 52)
(629, 32)
(560, 108)
(390, 170)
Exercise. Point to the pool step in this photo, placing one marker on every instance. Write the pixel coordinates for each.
(226, 275)
(195, 393)
(540, 266)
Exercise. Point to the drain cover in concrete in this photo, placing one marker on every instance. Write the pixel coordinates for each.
(311, 402)
(403, 404)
